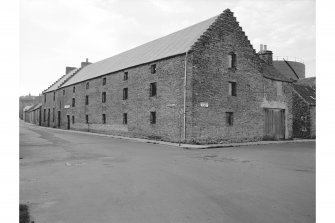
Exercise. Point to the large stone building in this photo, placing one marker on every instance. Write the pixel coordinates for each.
(203, 84)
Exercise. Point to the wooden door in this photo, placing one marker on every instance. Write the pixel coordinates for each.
(274, 124)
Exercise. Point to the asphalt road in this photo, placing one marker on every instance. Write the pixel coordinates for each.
(76, 177)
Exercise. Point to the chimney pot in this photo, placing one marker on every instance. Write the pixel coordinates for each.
(265, 47)
(261, 47)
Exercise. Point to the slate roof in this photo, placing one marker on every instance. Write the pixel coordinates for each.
(27, 107)
(174, 44)
(309, 81)
(306, 92)
(36, 106)
(269, 71)
(60, 81)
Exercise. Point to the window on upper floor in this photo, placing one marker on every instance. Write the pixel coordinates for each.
(103, 97)
(73, 102)
(153, 68)
(231, 60)
(54, 95)
(125, 75)
(87, 85)
(153, 89)
(74, 89)
(63, 91)
(104, 81)
(45, 98)
(153, 117)
(125, 93)
(86, 100)
(229, 118)
(232, 88)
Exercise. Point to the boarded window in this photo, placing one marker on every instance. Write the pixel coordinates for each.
(103, 97)
(103, 118)
(231, 60)
(125, 76)
(86, 100)
(232, 88)
(152, 117)
(229, 118)
(153, 68)
(125, 118)
(153, 89)
(125, 93)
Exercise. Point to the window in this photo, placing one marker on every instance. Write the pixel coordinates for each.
(53, 114)
(72, 119)
(63, 91)
(231, 60)
(87, 85)
(86, 119)
(103, 97)
(54, 95)
(232, 88)
(125, 93)
(104, 81)
(153, 89)
(125, 76)
(125, 121)
(152, 117)
(74, 89)
(86, 100)
(73, 102)
(153, 68)
(45, 98)
(44, 114)
(229, 118)
(103, 118)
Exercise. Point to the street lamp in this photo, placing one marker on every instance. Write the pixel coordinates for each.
(179, 125)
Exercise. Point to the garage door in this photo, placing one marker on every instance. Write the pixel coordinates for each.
(274, 124)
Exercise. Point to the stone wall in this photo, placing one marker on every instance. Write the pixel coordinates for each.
(301, 117)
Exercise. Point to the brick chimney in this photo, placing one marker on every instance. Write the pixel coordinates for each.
(265, 54)
(69, 69)
(83, 64)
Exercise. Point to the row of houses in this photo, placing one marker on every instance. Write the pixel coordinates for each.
(203, 84)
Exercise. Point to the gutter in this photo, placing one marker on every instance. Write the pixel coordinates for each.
(185, 81)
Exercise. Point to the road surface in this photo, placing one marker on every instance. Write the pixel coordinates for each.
(75, 177)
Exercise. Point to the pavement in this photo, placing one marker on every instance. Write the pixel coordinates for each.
(184, 145)
(69, 176)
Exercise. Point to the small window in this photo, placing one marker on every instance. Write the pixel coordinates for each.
(86, 119)
(229, 118)
(73, 102)
(63, 91)
(152, 117)
(125, 121)
(103, 97)
(232, 88)
(45, 98)
(125, 93)
(153, 68)
(104, 81)
(103, 118)
(86, 100)
(73, 119)
(153, 89)
(87, 85)
(53, 114)
(44, 115)
(54, 95)
(125, 76)
(231, 60)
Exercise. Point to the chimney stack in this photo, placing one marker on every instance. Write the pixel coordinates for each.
(69, 69)
(83, 64)
(265, 54)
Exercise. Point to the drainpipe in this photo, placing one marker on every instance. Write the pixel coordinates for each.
(185, 81)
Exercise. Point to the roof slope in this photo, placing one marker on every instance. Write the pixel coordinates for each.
(176, 43)
(269, 71)
(306, 92)
(309, 81)
(60, 81)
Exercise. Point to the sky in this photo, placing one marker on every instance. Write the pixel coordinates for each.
(59, 33)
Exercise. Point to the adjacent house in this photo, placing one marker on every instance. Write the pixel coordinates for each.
(202, 84)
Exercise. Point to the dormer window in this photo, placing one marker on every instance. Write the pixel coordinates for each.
(231, 60)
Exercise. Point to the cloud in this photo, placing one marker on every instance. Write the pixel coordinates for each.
(172, 6)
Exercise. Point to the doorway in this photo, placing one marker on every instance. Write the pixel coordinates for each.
(59, 120)
(68, 121)
(274, 124)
